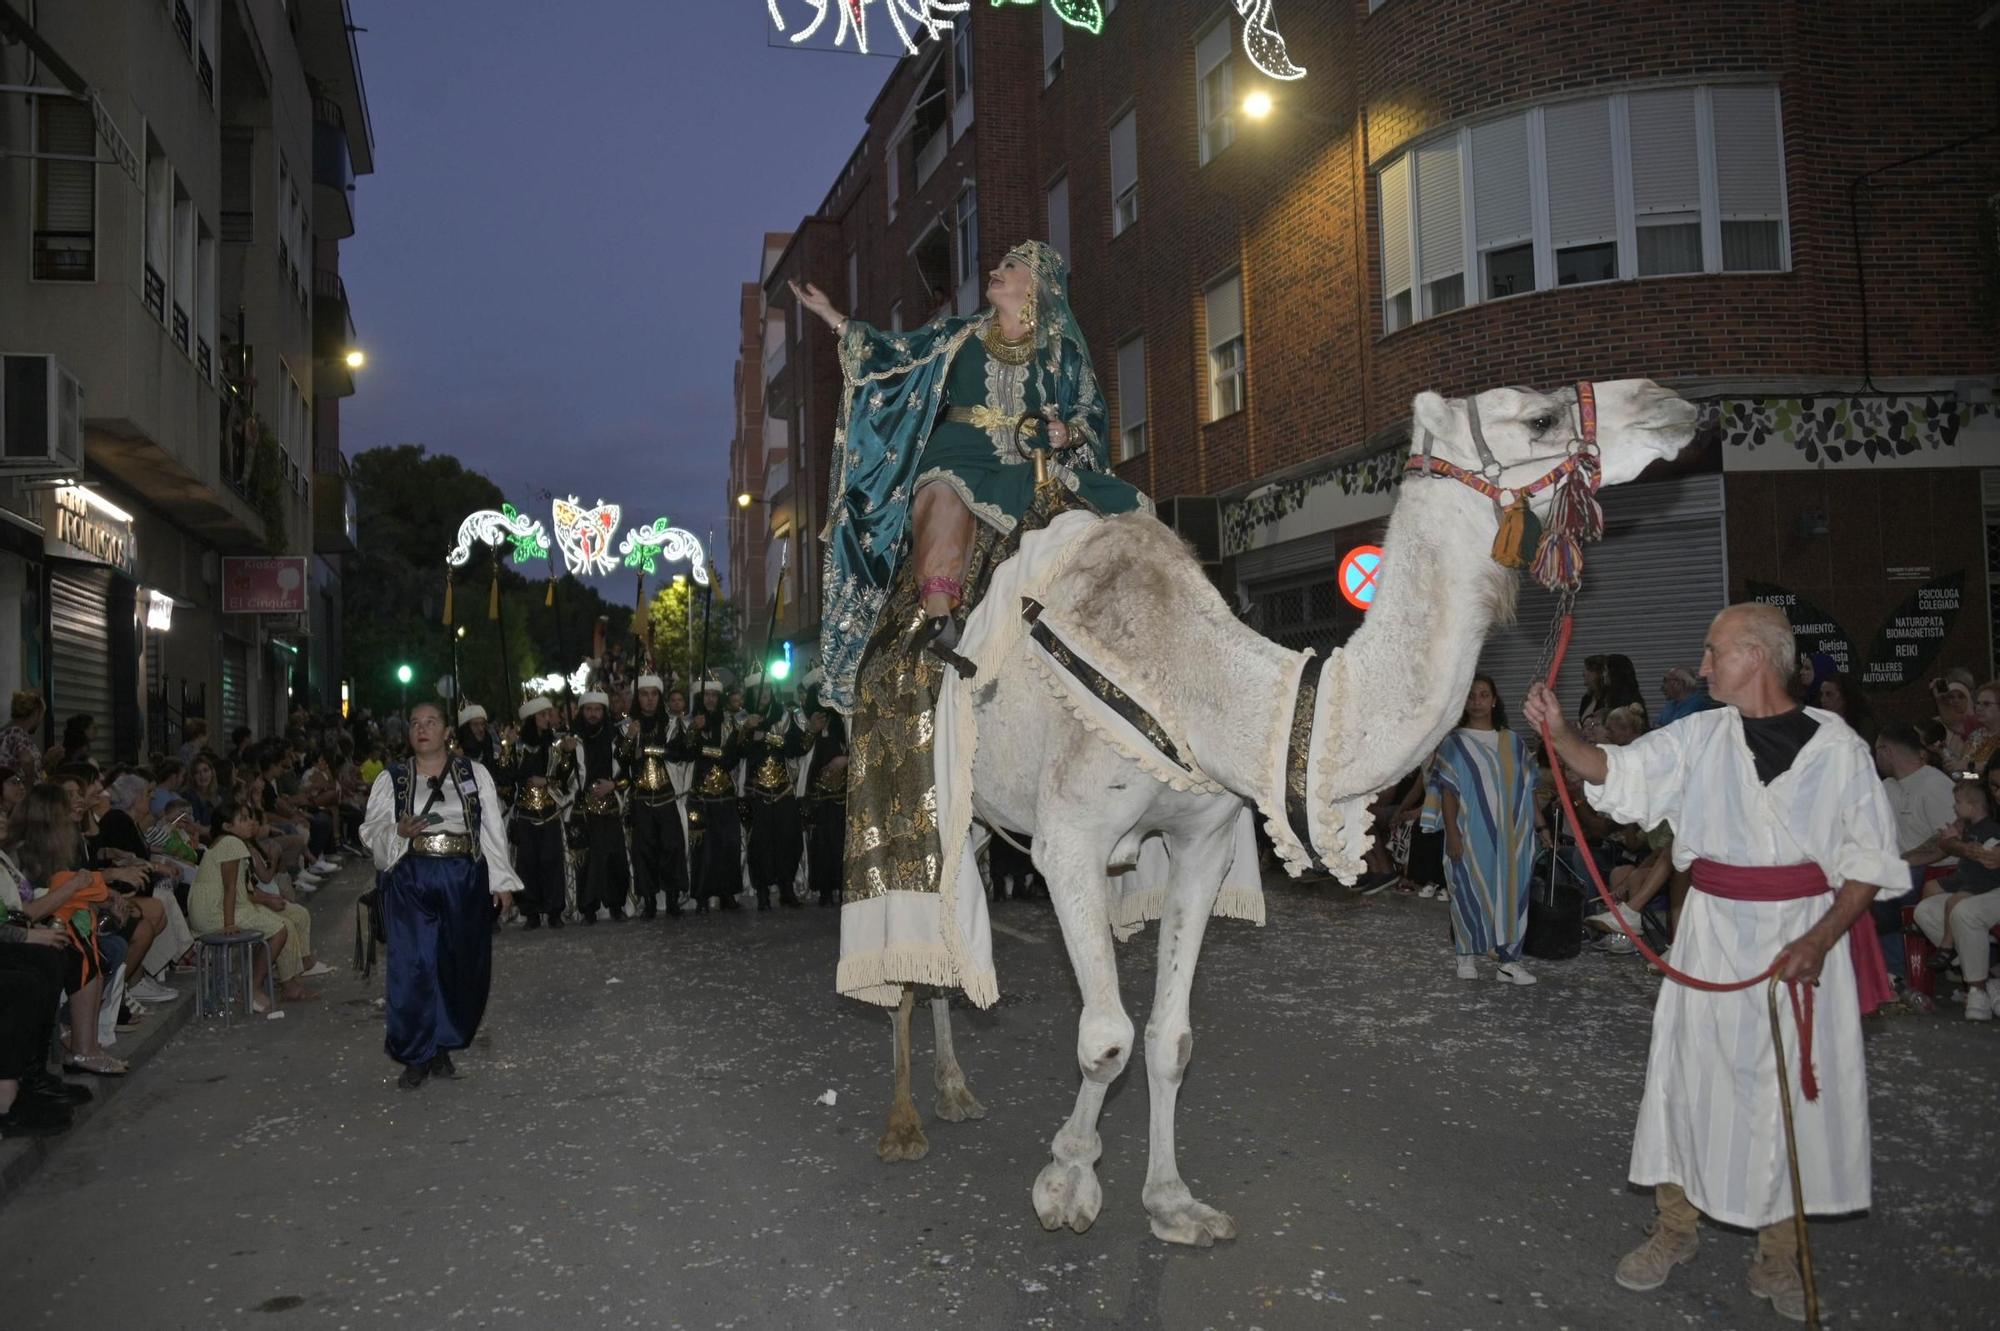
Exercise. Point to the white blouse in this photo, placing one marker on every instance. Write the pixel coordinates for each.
(378, 827)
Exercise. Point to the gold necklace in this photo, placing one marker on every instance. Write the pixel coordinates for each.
(1007, 350)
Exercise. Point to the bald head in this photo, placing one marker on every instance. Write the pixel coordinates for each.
(1749, 658)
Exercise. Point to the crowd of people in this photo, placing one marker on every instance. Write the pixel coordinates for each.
(108, 875)
(1478, 826)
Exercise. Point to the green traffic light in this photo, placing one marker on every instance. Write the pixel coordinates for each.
(781, 669)
(404, 674)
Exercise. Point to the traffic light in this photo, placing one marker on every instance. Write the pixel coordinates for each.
(779, 668)
(404, 674)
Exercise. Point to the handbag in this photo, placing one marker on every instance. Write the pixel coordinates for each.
(1555, 911)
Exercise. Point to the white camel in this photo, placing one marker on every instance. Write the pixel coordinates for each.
(1384, 702)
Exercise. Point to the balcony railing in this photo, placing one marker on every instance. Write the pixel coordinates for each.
(205, 71)
(333, 171)
(333, 325)
(184, 24)
(203, 360)
(65, 256)
(156, 293)
(180, 327)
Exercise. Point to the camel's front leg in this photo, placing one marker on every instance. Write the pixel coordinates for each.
(1197, 871)
(1067, 1191)
(955, 1102)
(904, 1137)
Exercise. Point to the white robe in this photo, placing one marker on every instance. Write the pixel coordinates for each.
(1710, 1118)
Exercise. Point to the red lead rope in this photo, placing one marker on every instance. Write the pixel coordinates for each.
(1802, 1004)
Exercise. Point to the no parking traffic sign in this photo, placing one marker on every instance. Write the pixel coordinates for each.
(1359, 574)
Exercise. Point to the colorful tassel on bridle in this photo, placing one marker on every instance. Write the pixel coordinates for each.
(1575, 516)
(1520, 533)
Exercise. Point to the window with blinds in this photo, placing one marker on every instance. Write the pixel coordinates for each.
(65, 191)
(1124, 171)
(1224, 307)
(1214, 87)
(1131, 398)
(1634, 185)
(1058, 228)
(1394, 184)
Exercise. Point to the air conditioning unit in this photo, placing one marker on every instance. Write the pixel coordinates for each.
(41, 418)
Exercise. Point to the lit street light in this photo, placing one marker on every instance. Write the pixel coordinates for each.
(403, 676)
(744, 500)
(1257, 105)
(356, 359)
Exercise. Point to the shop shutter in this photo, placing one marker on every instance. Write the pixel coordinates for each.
(80, 636)
(1582, 202)
(1501, 208)
(235, 686)
(1650, 588)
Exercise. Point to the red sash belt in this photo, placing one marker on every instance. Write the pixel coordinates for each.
(1794, 882)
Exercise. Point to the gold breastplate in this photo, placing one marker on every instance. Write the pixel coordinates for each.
(536, 801)
(831, 783)
(716, 782)
(772, 776)
(652, 778)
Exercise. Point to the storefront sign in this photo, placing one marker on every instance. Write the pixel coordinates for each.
(159, 612)
(264, 585)
(1903, 651)
(94, 527)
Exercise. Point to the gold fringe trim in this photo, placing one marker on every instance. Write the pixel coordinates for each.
(878, 976)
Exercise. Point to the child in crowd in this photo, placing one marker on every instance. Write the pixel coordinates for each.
(1943, 915)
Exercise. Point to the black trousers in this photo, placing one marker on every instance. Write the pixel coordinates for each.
(659, 853)
(538, 859)
(826, 848)
(776, 842)
(718, 865)
(32, 980)
(606, 879)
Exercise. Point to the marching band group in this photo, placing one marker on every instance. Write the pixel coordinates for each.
(667, 805)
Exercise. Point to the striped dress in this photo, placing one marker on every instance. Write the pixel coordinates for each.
(1493, 774)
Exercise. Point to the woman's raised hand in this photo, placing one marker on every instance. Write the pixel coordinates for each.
(816, 300)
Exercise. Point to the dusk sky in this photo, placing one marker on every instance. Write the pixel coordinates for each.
(565, 203)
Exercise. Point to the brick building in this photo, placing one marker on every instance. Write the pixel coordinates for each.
(1459, 196)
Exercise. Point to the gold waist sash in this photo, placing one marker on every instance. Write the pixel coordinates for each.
(717, 782)
(536, 799)
(597, 806)
(772, 778)
(441, 845)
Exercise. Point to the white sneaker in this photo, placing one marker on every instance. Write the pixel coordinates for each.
(150, 990)
(1513, 972)
(1468, 969)
(1978, 1004)
(319, 968)
(1429, 890)
(1606, 921)
(324, 866)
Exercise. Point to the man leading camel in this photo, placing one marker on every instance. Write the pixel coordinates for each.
(1778, 810)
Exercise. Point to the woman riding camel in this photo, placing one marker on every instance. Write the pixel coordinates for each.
(939, 426)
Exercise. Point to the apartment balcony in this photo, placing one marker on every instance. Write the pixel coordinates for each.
(333, 331)
(333, 172)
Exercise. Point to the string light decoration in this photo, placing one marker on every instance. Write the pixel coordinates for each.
(494, 526)
(932, 20)
(584, 535)
(577, 682)
(645, 547)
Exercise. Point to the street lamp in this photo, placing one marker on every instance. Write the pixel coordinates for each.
(1257, 105)
(356, 359)
(744, 500)
(403, 676)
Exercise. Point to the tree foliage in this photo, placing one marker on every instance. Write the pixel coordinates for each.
(677, 642)
(408, 505)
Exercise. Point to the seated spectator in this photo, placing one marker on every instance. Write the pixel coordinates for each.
(21, 741)
(318, 798)
(168, 775)
(1815, 668)
(1952, 694)
(203, 788)
(44, 872)
(123, 831)
(227, 896)
(1960, 916)
(1921, 798)
(78, 732)
(1984, 741)
(1685, 695)
(13, 789)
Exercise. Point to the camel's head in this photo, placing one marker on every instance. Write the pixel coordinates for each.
(1526, 433)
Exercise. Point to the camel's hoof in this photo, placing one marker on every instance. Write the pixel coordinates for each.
(955, 1104)
(1192, 1223)
(1067, 1195)
(903, 1141)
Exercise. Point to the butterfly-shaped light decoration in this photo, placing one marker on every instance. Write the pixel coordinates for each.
(492, 526)
(646, 547)
(584, 535)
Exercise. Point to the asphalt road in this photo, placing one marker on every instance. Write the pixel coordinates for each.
(638, 1141)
